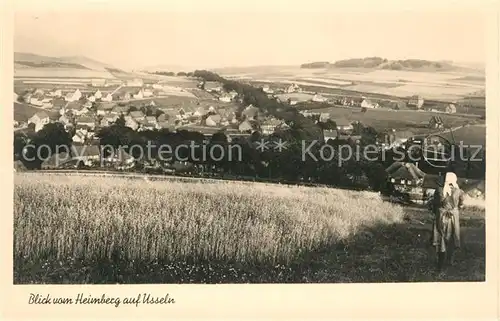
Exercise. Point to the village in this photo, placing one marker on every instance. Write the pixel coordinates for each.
(207, 109)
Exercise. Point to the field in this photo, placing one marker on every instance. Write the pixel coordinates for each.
(381, 119)
(445, 86)
(23, 112)
(70, 229)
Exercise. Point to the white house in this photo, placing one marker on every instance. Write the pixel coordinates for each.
(157, 86)
(225, 98)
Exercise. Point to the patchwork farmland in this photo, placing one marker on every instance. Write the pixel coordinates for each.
(446, 86)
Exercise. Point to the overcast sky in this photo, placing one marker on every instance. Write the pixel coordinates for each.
(226, 37)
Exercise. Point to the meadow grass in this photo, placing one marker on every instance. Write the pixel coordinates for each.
(71, 229)
(91, 218)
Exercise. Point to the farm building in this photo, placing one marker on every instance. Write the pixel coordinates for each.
(416, 102)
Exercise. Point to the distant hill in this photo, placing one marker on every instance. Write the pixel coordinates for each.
(383, 63)
(168, 68)
(318, 64)
(32, 65)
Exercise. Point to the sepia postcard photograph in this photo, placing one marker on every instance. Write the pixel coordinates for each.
(223, 143)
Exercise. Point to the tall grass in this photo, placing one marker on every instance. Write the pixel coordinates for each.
(93, 218)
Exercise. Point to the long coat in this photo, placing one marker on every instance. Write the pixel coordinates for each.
(446, 225)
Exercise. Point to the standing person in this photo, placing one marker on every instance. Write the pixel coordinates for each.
(448, 199)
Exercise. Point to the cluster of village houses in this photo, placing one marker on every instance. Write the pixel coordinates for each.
(415, 102)
(86, 113)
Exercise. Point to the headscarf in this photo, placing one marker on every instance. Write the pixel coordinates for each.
(449, 179)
